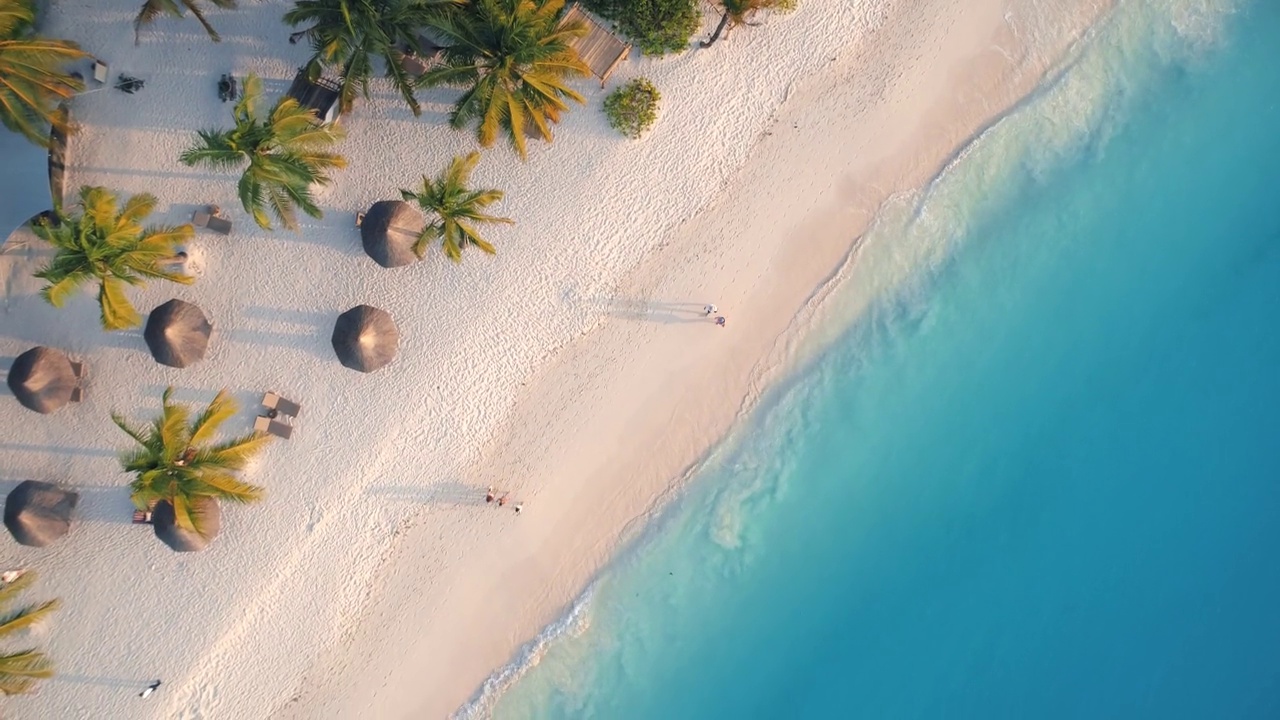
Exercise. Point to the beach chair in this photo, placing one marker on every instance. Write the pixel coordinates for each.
(77, 394)
(141, 517)
(77, 369)
(207, 219)
(272, 401)
(100, 71)
(218, 224)
(272, 427)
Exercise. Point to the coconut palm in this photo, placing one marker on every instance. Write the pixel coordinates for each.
(739, 12)
(20, 670)
(347, 35)
(455, 209)
(32, 80)
(179, 461)
(286, 152)
(106, 244)
(514, 59)
(152, 9)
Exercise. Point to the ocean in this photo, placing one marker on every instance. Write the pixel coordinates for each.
(1040, 479)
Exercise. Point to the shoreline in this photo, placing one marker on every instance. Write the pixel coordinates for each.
(996, 87)
(573, 369)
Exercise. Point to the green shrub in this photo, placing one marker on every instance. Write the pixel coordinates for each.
(657, 27)
(633, 107)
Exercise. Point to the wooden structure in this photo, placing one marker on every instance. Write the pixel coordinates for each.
(599, 48)
(320, 95)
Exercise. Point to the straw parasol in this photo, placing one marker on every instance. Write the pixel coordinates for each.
(365, 338)
(209, 515)
(177, 333)
(42, 380)
(37, 513)
(388, 232)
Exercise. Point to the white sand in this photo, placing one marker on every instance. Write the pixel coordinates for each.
(573, 369)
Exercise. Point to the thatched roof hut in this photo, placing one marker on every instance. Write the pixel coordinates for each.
(389, 231)
(177, 333)
(38, 513)
(365, 338)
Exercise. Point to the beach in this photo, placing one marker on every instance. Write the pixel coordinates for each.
(574, 370)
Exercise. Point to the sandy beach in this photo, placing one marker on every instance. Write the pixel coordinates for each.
(574, 369)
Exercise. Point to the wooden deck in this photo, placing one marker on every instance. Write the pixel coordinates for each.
(599, 48)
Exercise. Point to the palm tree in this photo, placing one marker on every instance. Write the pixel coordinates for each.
(20, 670)
(739, 12)
(455, 208)
(106, 244)
(32, 81)
(179, 462)
(348, 34)
(513, 57)
(152, 9)
(287, 153)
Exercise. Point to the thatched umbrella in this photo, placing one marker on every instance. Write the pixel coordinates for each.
(177, 333)
(37, 513)
(42, 380)
(209, 518)
(365, 338)
(388, 232)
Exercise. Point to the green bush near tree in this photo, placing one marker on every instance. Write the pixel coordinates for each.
(633, 107)
(657, 27)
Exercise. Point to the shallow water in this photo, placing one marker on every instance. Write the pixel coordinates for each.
(1042, 480)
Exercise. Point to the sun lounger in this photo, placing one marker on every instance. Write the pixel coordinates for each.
(218, 224)
(77, 369)
(100, 71)
(207, 219)
(141, 517)
(272, 427)
(273, 401)
(77, 394)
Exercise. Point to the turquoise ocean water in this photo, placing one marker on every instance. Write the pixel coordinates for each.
(1040, 480)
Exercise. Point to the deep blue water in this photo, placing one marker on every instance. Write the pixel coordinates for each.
(1042, 480)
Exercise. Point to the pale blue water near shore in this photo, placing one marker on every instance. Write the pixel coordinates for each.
(1041, 482)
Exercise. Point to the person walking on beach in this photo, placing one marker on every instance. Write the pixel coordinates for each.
(709, 309)
(502, 501)
(150, 689)
(489, 496)
(519, 507)
(720, 320)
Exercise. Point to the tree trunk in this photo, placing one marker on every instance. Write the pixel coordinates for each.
(724, 20)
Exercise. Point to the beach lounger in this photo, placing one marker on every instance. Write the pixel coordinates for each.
(100, 71)
(77, 369)
(77, 394)
(208, 218)
(141, 517)
(272, 401)
(272, 427)
(218, 224)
